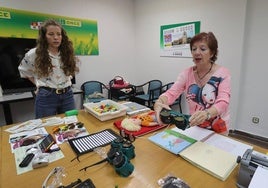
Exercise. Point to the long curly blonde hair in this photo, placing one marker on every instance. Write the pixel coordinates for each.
(43, 64)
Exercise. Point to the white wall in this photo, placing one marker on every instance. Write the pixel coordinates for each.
(253, 87)
(225, 18)
(129, 33)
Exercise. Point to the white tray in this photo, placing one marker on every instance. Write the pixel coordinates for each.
(107, 115)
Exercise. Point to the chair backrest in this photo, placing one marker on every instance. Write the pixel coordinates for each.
(178, 100)
(90, 87)
(93, 92)
(154, 88)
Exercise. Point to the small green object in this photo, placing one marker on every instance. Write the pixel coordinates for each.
(71, 113)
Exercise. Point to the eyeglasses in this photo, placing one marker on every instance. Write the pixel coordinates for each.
(55, 176)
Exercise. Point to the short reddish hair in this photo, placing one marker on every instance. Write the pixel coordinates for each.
(211, 41)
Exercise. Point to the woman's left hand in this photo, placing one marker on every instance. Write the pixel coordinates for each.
(198, 118)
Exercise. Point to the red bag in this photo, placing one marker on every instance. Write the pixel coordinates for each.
(219, 126)
(119, 82)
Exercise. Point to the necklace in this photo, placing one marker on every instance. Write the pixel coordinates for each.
(201, 78)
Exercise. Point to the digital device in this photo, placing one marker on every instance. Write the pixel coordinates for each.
(46, 143)
(26, 161)
(12, 50)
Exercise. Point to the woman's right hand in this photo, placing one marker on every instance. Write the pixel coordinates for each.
(158, 106)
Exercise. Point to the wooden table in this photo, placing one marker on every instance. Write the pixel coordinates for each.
(151, 163)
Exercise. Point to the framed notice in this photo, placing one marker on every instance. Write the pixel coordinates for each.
(175, 39)
(24, 24)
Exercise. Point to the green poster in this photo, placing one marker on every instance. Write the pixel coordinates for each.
(24, 24)
(175, 39)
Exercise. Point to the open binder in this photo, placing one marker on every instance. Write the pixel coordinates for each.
(214, 153)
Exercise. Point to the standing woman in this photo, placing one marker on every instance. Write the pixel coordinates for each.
(51, 66)
(207, 87)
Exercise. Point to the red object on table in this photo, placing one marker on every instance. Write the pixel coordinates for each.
(144, 129)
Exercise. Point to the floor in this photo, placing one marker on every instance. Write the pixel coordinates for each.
(253, 139)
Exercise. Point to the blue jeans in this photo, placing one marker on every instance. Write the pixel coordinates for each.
(48, 103)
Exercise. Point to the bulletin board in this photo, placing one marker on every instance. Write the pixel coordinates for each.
(24, 24)
(175, 39)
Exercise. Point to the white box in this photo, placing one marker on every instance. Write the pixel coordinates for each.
(120, 110)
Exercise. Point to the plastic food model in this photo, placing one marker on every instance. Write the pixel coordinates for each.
(105, 108)
(131, 124)
(148, 119)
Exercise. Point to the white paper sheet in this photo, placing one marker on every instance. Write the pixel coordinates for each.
(195, 132)
(228, 144)
(260, 178)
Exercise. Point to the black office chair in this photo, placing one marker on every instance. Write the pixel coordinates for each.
(93, 91)
(148, 93)
(178, 100)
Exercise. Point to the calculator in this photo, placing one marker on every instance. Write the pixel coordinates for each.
(46, 143)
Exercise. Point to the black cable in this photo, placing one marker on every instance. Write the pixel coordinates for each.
(102, 161)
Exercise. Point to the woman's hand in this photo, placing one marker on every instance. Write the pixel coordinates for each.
(158, 106)
(198, 118)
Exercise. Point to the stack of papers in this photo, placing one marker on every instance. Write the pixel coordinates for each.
(259, 179)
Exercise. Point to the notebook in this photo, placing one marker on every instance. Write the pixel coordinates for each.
(220, 141)
(172, 141)
(211, 159)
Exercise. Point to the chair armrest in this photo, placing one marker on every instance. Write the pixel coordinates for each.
(166, 87)
(138, 89)
(140, 86)
(108, 90)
